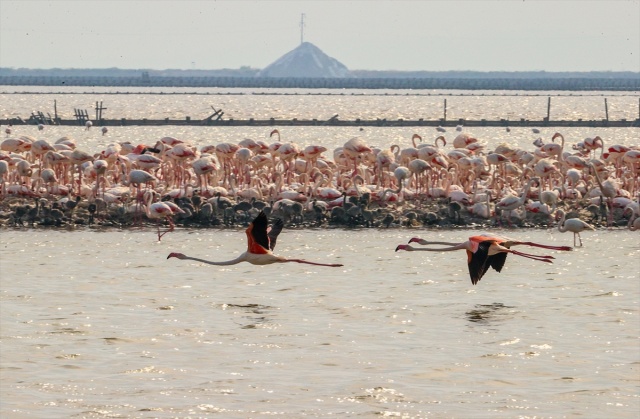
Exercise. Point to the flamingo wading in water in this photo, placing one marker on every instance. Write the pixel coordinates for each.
(261, 242)
(574, 225)
(483, 251)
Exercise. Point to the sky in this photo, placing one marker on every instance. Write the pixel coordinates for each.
(477, 35)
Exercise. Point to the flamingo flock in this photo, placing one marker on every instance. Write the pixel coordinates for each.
(169, 181)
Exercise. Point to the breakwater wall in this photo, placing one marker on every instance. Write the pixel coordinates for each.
(334, 122)
(417, 83)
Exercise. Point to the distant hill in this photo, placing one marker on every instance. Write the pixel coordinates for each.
(306, 60)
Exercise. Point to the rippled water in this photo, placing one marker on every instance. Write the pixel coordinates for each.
(177, 103)
(98, 323)
(101, 324)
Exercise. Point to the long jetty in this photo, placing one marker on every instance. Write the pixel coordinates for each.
(332, 122)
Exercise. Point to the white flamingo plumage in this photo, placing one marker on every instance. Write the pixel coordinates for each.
(574, 225)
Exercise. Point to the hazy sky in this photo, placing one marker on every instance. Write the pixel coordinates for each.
(507, 35)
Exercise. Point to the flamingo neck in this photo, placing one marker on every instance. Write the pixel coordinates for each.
(561, 227)
(452, 246)
(241, 258)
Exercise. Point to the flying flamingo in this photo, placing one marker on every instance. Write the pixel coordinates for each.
(484, 251)
(574, 225)
(261, 242)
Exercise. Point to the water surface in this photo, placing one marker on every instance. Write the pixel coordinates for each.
(101, 324)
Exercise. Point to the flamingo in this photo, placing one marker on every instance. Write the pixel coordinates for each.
(463, 140)
(39, 148)
(574, 225)
(353, 149)
(261, 242)
(592, 144)
(4, 170)
(161, 210)
(554, 148)
(79, 157)
(511, 202)
(484, 251)
(137, 178)
(608, 191)
(480, 209)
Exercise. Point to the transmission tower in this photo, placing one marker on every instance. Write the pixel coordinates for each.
(302, 28)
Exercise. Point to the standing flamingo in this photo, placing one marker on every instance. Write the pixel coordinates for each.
(261, 242)
(354, 149)
(484, 251)
(608, 190)
(511, 202)
(78, 157)
(574, 225)
(463, 140)
(161, 211)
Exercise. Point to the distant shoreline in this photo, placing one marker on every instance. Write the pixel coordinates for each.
(145, 79)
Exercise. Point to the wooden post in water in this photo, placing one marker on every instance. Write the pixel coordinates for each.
(606, 109)
(55, 110)
(549, 109)
(445, 109)
(99, 110)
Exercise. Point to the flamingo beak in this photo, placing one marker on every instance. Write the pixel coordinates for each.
(414, 240)
(401, 247)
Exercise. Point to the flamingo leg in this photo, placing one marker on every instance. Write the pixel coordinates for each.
(534, 257)
(333, 265)
(544, 246)
(579, 239)
(170, 229)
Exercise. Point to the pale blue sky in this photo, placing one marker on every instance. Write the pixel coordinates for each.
(507, 35)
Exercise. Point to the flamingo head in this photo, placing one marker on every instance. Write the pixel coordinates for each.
(415, 240)
(401, 247)
(598, 141)
(176, 255)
